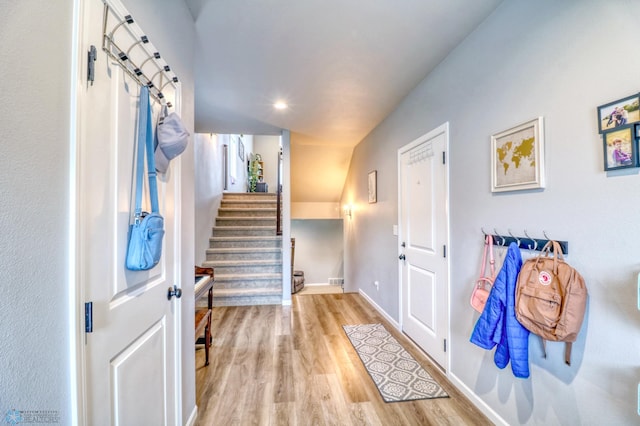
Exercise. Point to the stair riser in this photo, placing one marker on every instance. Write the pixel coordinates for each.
(246, 269)
(247, 301)
(226, 232)
(244, 205)
(246, 213)
(259, 196)
(238, 283)
(245, 244)
(254, 284)
(272, 255)
(235, 221)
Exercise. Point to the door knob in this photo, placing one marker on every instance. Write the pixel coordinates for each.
(402, 257)
(175, 291)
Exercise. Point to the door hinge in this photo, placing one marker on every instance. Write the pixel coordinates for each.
(444, 157)
(444, 251)
(92, 55)
(445, 344)
(88, 317)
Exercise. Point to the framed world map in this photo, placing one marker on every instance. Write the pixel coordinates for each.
(517, 157)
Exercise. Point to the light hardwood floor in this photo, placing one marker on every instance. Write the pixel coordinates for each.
(275, 365)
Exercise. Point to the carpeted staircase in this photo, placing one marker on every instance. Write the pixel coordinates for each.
(245, 251)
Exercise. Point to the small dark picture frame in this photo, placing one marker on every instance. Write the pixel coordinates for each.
(372, 184)
(620, 148)
(619, 113)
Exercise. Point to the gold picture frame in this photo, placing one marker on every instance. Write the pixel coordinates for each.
(517, 157)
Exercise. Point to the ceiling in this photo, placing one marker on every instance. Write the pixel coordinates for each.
(341, 65)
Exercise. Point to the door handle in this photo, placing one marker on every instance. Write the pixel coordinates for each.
(402, 257)
(175, 291)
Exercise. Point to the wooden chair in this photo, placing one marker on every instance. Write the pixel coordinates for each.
(204, 284)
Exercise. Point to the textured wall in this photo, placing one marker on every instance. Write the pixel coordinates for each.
(209, 183)
(528, 59)
(34, 188)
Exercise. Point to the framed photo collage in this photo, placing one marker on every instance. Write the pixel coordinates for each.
(619, 125)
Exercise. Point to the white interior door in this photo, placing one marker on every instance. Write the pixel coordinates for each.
(424, 225)
(130, 357)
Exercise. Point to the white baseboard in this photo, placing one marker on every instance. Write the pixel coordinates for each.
(476, 400)
(192, 418)
(380, 310)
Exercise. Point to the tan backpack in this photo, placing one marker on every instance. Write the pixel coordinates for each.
(551, 298)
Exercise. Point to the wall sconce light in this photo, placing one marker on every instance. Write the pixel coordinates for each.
(348, 210)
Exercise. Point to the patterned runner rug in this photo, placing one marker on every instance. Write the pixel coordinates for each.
(394, 371)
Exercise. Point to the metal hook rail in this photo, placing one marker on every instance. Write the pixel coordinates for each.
(526, 242)
(160, 73)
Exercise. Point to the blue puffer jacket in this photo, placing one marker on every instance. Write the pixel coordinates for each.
(498, 325)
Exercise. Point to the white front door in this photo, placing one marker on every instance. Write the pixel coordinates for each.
(424, 238)
(130, 357)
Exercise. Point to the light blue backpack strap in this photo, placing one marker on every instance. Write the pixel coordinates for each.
(143, 111)
(151, 162)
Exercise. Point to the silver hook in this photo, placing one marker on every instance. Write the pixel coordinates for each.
(545, 235)
(127, 20)
(484, 233)
(515, 238)
(535, 242)
(143, 40)
(501, 237)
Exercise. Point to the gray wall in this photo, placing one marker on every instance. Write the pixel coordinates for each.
(546, 58)
(319, 249)
(37, 323)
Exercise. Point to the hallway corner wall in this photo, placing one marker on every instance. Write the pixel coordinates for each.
(209, 184)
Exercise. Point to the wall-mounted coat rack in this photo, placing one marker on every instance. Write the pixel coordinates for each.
(526, 242)
(125, 44)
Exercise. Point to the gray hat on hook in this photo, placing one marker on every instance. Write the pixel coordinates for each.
(172, 139)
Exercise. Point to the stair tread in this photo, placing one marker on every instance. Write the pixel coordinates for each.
(246, 227)
(249, 262)
(261, 209)
(245, 217)
(241, 201)
(261, 276)
(246, 291)
(246, 237)
(244, 250)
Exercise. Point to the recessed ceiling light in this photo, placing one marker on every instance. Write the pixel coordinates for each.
(280, 105)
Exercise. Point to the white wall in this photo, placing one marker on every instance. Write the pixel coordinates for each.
(37, 359)
(319, 249)
(35, 370)
(209, 184)
(269, 148)
(238, 172)
(528, 59)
